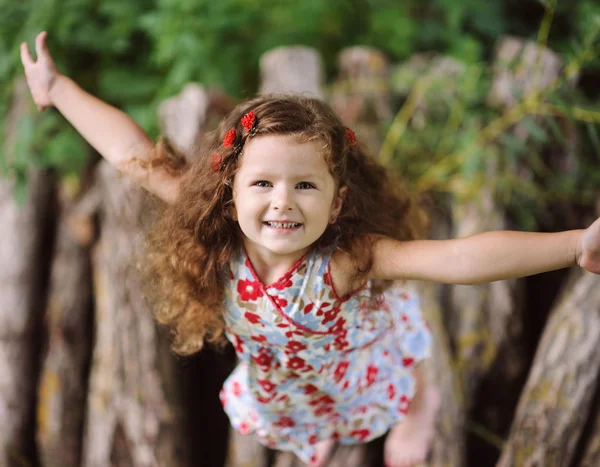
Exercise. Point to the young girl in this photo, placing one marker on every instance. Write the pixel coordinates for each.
(284, 236)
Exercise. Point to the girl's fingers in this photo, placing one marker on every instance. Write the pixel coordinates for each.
(26, 57)
(40, 44)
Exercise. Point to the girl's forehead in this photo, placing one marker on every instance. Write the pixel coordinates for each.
(279, 153)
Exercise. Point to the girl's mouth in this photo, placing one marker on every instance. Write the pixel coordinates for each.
(283, 225)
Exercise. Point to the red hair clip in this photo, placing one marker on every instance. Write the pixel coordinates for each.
(351, 137)
(216, 162)
(229, 138)
(249, 122)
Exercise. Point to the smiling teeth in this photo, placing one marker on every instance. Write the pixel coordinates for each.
(283, 225)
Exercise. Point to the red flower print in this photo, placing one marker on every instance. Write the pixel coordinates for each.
(322, 308)
(372, 372)
(408, 361)
(252, 317)
(309, 389)
(323, 410)
(248, 120)
(361, 434)
(229, 138)
(280, 301)
(296, 363)
(346, 385)
(340, 371)
(259, 338)
(338, 326)
(391, 391)
(285, 422)
(308, 308)
(263, 359)
(294, 346)
(403, 405)
(351, 137)
(322, 400)
(215, 162)
(335, 436)
(244, 429)
(331, 315)
(239, 344)
(236, 388)
(249, 290)
(263, 400)
(340, 341)
(223, 398)
(267, 385)
(313, 439)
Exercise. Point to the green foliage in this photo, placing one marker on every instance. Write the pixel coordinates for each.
(456, 139)
(134, 54)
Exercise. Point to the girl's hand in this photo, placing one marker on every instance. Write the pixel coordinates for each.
(40, 74)
(588, 252)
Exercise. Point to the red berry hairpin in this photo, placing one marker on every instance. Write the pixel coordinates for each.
(216, 162)
(351, 137)
(249, 122)
(229, 138)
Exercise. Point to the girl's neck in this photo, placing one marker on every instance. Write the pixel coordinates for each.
(270, 266)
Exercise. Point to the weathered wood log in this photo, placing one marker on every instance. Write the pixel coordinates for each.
(292, 70)
(361, 93)
(555, 402)
(185, 117)
(24, 252)
(591, 455)
(134, 415)
(448, 446)
(62, 390)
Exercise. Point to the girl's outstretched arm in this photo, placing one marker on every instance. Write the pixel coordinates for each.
(111, 132)
(487, 256)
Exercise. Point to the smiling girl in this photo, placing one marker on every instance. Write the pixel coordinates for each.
(284, 236)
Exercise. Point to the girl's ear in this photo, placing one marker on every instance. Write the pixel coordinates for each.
(338, 202)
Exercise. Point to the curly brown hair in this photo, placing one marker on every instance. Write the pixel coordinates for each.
(192, 242)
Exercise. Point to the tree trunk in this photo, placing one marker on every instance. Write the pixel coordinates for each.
(134, 413)
(63, 382)
(24, 253)
(591, 456)
(297, 70)
(361, 93)
(555, 402)
(447, 448)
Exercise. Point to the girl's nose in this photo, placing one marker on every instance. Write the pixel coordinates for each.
(282, 200)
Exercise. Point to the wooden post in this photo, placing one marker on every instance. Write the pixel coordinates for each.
(62, 391)
(555, 402)
(24, 253)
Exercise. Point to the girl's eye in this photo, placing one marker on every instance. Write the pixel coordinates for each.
(262, 184)
(305, 185)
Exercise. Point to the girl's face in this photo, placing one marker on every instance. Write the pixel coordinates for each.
(284, 196)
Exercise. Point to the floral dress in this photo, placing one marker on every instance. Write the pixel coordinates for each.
(315, 366)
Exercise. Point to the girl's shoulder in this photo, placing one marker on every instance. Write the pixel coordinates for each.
(342, 272)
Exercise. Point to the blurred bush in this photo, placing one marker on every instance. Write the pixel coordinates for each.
(134, 54)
